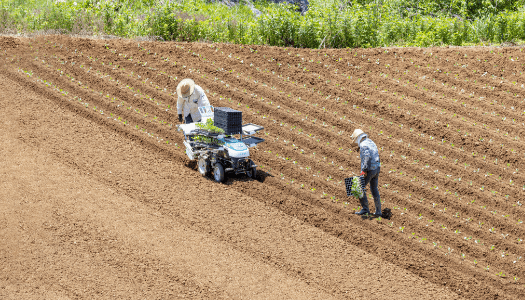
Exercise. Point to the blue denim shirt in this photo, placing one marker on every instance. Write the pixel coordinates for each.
(369, 155)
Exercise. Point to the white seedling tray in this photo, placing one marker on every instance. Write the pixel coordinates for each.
(206, 113)
(250, 128)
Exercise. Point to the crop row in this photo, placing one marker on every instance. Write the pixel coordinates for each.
(303, 155)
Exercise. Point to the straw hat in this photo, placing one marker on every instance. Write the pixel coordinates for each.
(357, 133)
(186, 88)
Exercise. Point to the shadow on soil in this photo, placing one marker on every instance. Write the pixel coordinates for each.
(231, 177)
(386, 214)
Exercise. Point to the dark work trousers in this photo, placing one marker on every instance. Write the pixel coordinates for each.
(372, 177)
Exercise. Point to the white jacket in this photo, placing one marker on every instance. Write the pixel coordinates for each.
(191, 104)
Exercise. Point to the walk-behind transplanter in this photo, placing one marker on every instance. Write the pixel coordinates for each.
(213, 142)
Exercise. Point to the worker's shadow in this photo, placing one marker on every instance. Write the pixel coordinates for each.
(386, 214)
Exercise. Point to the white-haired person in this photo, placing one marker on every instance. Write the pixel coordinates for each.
(370, 168)
(190, 98)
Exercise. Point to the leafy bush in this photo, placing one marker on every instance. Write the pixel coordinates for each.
(331, 24)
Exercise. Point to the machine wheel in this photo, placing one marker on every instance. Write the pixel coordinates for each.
(252, 170)
(218, 172)
(204, 166)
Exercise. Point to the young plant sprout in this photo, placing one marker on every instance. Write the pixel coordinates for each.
(208, 126)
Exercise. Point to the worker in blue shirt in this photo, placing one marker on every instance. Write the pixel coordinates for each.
(370, 168)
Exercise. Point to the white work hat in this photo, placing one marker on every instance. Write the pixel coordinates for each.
(358, 135)
(186, 88)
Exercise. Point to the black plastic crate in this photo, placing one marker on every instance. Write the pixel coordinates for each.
(231, 130)
(227, 115)
(226, 111)
(228, 119)
(227, 126)
(348, 185)
(227, 123)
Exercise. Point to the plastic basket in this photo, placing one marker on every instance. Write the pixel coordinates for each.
(228, 119)
(230, 129)
(348, 185)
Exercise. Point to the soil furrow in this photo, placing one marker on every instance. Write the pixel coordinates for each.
(309, 108)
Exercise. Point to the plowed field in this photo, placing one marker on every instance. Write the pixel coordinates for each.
(99, 200)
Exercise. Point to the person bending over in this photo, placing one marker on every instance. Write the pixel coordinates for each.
(190, 98)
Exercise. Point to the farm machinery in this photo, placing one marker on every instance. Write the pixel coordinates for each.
(220, 142)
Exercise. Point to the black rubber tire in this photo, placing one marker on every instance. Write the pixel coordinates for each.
(253, 173)
(203, 166)
(218, 172)
(252, 170)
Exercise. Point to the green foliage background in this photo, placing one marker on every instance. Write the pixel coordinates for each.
(332, 23)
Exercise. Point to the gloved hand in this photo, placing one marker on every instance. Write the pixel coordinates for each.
(180, 117)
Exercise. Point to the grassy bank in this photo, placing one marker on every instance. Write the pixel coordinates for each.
(333, 24)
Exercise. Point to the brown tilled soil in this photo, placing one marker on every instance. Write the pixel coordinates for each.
(99, 200)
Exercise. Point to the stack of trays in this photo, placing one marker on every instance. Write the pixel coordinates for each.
(230, 120)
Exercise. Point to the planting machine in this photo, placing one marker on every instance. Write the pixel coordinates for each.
(221, 152)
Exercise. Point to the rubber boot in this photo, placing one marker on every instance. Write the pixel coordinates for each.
(364, 205)
(377, 203)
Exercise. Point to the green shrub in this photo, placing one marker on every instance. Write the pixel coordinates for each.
(331, 24)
